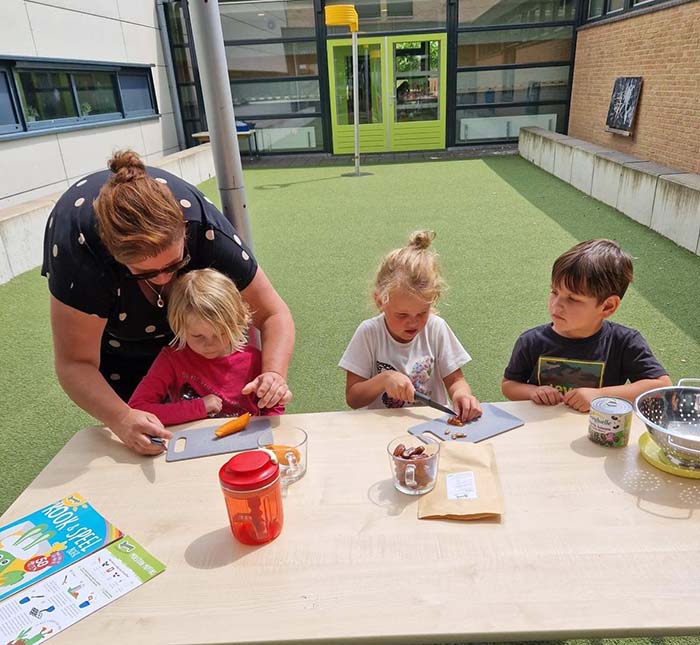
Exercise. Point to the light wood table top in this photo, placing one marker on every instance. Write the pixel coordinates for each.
(593, 542)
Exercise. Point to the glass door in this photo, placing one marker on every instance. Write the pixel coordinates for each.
(401, 93)
(372, 110)
(417, 76)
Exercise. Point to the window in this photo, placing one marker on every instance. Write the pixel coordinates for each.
(396, 15)
(525, 85)
(47, 95)
(595, 8)
(136, 94)
(267, 20)
(272, 59)
(510, 12)
(97, 95)
(514, 46)
(486, 123)
(9, 120)
(276, 97)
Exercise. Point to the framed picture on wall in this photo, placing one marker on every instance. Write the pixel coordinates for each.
(623, 105)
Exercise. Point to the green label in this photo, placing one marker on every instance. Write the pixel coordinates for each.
(134, 556)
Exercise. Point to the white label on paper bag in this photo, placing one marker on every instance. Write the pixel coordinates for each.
(461, 485)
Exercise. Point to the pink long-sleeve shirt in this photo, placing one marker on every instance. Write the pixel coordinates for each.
(178, 379)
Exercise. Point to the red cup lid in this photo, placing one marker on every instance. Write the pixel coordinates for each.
(249, 470)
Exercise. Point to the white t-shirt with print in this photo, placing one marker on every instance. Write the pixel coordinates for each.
(427, 359)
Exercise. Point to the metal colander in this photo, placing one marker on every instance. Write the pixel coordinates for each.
(672, 416)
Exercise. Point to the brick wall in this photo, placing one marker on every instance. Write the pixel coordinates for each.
(664, 48)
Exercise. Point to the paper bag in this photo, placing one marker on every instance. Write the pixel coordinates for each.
(467, 486)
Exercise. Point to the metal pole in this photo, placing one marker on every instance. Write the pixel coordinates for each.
(356, 101)
(213, 69)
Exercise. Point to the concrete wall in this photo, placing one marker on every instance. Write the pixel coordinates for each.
(663, 47)
(22, 225)
(118, 31)
(665, 199)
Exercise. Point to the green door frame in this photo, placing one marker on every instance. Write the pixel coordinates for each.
(389, 134)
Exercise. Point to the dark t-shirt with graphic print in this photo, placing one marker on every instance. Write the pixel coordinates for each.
(84, 276)
(612, 356)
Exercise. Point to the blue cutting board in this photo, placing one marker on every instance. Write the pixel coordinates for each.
(493, 421)
(201, 442)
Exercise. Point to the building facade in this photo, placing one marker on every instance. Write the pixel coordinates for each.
(659, 42)
(432, 73)
(78, 79)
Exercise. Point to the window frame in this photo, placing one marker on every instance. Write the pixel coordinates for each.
(13, 67)
(629, 7)
(9, 128)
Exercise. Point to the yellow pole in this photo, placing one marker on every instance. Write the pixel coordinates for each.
(344, 15)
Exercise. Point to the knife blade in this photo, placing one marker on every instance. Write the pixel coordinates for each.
(428, 401)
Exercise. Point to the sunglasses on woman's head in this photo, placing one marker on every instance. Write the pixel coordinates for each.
(171, 268)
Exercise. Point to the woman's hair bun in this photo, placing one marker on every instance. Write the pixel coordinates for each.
(126, 165)
(421, 239)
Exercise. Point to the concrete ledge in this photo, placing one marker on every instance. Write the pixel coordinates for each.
(635, 197)
(22, 226)
(665, 199)
(676, 213)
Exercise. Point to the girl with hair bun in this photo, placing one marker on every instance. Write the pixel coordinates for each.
(408, 347)
(112, 246)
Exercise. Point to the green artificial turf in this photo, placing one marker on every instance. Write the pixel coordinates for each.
(319, 236)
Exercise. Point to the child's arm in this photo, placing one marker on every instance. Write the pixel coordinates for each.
(153, 390)
(540, 394)
(360, 392)
(465, 404)
(580, 398)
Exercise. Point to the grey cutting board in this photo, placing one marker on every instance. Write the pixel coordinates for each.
(493, 421)
(200, 442)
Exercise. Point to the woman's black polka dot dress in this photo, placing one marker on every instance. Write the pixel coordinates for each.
(84, 276)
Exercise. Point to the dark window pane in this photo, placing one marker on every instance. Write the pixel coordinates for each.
(96, 93)
(287, 135)
(189, 104)
(514, 46)
(275, 97)
(505, 123)
(595, 8)
(274, 59)
(136, 93)
(273, 20)
(8, 116)
(513, 85)
(615, 5)
(177, 31)
(511, 12)
(46, 96)
(396, 15)
(182, 59)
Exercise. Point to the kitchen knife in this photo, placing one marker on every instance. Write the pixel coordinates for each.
(419, 396)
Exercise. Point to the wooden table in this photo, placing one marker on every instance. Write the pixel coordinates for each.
(593, 542)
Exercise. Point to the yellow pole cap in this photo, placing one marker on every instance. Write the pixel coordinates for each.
(342, 15)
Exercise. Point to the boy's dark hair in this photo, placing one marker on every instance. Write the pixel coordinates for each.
(597, 268)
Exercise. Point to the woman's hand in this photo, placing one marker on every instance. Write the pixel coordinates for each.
(270, 389)
(136, 428)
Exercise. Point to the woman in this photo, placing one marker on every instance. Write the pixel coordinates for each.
(113, 244)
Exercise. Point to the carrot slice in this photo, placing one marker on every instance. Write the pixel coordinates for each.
(234, 425)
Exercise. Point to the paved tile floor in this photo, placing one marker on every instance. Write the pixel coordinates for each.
(325, 159)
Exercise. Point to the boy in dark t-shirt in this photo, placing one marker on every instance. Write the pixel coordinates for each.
(581, 355)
